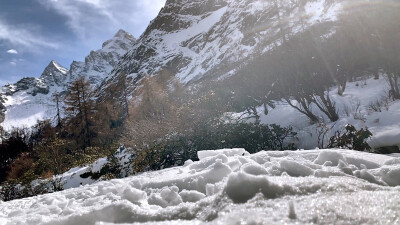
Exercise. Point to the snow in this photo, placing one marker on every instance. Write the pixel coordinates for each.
(59, 67)
(202, 26)
(25, 110)
(269, 187)
(227, 152)
(317, 11)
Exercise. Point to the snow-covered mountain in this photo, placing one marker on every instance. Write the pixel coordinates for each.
(31, 99)
(198, 38)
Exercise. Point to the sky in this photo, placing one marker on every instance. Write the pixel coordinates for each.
(34, 32)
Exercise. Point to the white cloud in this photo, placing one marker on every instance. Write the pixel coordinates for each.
(12, 51)
(24, 37)
(88, 18)
(13, 63)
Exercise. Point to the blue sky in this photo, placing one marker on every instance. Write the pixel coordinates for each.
(34, 32)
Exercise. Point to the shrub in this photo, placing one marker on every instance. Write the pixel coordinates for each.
(26, 187)
(379, 105)
(112, 169)
(351, 139)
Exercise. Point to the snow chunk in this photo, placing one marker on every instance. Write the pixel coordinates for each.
(167, 197)
(296, 169)
(391, 176)
(329, 156)
(191, 196)
(226, 152)
(134, 195)
(253, 184)
(254, 169)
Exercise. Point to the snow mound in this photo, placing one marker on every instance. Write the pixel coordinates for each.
(231, 186)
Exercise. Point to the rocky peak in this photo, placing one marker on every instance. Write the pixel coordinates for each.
(123, 35)
(121, 40)
(98, 64)
(54, 74)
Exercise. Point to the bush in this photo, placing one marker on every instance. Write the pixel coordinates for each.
(379, 105)
(351, 139)
(112, 169)
(175, 149)
(26, 187)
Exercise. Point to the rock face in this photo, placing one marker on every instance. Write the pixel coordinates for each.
(30, 99)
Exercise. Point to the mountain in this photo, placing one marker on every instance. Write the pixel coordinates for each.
(30, 99)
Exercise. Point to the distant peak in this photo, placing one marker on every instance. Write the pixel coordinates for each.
(123, 34)
(53, 66)
(120, 35)
(54, 63)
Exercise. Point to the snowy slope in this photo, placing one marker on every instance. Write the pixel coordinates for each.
(31, 99)
(24, 110)
(353, 108)
(233, 187)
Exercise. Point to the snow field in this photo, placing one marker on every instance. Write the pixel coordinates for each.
(353, 108)
(231, 186)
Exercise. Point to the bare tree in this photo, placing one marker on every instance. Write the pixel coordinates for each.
(57, 100)
(80, 109)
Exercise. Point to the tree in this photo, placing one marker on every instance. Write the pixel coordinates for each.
(80, 109)
(57, 100)
(151, 113)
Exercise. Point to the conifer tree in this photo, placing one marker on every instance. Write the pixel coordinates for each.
(80, 109)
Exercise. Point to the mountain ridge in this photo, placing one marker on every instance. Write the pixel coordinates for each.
(36, 93)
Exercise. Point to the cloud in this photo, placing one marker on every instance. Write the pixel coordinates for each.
(24, 37)
(12, 51)
(13, 63)
(87, 18)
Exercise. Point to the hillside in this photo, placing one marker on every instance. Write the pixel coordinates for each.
(195, 39)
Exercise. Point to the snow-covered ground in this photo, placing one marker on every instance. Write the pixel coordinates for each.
(353, 108)
(233, 187)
